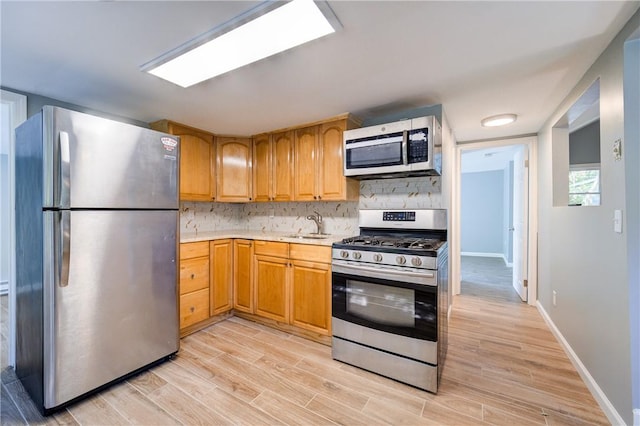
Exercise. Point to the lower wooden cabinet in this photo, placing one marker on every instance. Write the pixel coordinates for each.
(221, 273)
(310, 304)
(311, 288)
(206, 282)
(288, 285)
(291, 290)
(194, 283)
(243, 275)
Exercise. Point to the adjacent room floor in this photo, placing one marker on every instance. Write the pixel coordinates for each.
(504, 367)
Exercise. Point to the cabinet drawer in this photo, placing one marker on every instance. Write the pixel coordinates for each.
(271, 248)
(194, 307)
(194, 274)
(191, 250)
(310, 253)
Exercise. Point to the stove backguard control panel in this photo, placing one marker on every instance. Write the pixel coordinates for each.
(405, 216)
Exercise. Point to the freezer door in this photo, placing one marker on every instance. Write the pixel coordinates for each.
(92, 162)
(110, 297)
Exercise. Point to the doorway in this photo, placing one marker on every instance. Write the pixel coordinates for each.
(492, 230)
(13, 108)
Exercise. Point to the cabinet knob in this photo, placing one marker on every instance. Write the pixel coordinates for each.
(315, 198)
(193, 276)
(319, 197)
(192, 309)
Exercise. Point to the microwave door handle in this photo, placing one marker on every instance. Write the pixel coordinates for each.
(405, 145)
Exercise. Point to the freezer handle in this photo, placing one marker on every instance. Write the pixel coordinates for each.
(65, 247)
(65, 171)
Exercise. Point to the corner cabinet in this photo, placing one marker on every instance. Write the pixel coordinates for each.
(233, 169)
(197, 160)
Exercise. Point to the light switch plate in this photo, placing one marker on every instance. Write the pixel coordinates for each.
(617, 221)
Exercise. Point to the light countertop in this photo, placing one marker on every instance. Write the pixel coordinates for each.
(259, 235)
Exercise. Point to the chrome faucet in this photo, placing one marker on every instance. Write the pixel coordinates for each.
(317, 218)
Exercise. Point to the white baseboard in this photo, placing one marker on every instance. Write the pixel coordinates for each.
(599, 395)
(479, 254)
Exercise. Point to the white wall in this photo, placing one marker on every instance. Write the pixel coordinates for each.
(632, 160)
(580, 257)
(482, 215)
(5, 137)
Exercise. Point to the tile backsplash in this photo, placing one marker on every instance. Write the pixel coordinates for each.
(340, 217)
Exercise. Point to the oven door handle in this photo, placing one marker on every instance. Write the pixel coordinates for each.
(387, 274)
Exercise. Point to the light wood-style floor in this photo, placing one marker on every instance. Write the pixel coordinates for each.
(504, 367)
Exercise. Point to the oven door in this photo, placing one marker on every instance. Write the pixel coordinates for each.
(397, 301)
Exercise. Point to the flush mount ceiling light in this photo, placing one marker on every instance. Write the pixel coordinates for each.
(498, 120)
(269, 28)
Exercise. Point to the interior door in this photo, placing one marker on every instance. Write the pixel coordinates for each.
(520, 219)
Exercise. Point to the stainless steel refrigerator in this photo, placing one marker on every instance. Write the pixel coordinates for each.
(96, 244)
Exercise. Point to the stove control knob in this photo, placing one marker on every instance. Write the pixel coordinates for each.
(344, 254)
(357, 255)
(377, 257)
(416, 261)
(401, 260)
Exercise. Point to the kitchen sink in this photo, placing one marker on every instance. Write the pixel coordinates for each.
(309, 236)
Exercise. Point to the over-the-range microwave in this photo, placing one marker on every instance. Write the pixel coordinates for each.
(402, 148)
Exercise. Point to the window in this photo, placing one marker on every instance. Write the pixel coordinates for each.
(584, 185)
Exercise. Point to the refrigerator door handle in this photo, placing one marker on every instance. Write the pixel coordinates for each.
(65, 247)
(65, 171)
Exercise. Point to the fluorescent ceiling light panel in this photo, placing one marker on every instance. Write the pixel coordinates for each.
(280, 29)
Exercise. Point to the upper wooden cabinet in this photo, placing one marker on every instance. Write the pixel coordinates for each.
(233, 169)
(318, 164)
(305, 166)
(197, 160)
(333, 186)
(273, 167)
(262, 168)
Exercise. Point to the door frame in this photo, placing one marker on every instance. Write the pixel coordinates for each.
(532, 236)
(18, 113)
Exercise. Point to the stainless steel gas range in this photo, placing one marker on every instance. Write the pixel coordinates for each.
(390, 295)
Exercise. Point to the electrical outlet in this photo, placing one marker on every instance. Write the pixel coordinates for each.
(555, 298)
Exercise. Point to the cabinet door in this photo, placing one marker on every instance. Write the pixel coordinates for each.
(197, 160)
(262, 169)
(233, 169)
(243, 275)
(194, 307)
(194, 274)
(272, 287)
(221, 290)
(305, 168)
(311, 296)
(332, 181)
(282, 166)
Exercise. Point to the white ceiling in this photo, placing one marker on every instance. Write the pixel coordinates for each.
(475, 58)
